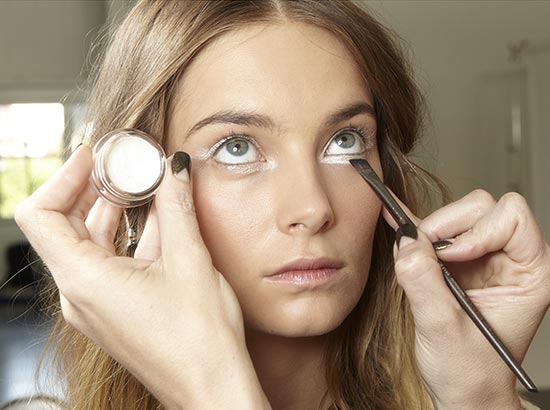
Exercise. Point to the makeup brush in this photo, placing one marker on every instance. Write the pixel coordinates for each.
(409, 229)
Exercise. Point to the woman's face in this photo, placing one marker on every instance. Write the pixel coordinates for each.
(271, 115)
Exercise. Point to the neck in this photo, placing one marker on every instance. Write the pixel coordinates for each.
(291, 370)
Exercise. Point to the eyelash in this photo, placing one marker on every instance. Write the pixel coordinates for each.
(364, 135)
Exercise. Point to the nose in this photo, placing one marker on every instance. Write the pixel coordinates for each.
(303, 204)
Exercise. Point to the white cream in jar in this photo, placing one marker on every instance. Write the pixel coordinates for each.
(129, 166)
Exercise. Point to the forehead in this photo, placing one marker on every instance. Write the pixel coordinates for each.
(294, 72)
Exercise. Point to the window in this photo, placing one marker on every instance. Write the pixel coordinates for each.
(31, 149)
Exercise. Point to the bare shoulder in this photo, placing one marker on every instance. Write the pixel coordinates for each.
(33, 403)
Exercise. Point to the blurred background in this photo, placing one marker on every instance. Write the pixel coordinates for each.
(484, 67)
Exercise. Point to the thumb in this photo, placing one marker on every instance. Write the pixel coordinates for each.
(419, 274)
(180, 238)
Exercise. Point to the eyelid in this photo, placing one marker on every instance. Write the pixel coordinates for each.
(233, 135)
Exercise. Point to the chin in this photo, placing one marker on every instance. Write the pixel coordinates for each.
(297, 319)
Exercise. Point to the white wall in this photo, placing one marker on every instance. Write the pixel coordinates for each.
(461, 57)
(43, 43)
(537, 65)
(454, 44)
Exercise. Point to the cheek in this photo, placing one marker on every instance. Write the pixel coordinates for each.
(356, 208)
(231, 216)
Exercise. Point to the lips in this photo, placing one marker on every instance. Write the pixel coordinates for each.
(307, 265)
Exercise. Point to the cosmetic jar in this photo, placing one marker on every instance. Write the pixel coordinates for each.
(128, 168)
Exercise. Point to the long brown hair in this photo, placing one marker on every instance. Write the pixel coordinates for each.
(370, 361)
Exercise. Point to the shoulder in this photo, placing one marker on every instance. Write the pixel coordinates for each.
(33, 403)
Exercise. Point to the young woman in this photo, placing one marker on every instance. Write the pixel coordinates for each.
(266, 277)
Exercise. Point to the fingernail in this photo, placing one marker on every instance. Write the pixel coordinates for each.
(405, 235)
(440, 245)
(181, 165)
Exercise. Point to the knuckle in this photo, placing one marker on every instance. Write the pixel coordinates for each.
(444, 323)
(514, 202)
(23, 212)
(76, 292)
(471, 244)
(186, 202)
(69, 313)
(181, 202)
(482, 197)
(68, 289)
(478, 248)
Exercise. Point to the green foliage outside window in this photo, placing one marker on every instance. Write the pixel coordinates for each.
(31, 150)
(21, 176)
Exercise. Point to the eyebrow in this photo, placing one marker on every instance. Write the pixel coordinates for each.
(250, 118)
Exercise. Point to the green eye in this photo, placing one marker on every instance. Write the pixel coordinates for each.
(236, 151)
(346, 142)
(237, 148)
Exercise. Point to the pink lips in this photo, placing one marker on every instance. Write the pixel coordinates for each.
(307, 271)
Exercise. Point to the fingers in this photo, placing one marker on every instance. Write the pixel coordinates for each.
(67, 192)
(451, 220)
(479, 227)
(61, 191)
(509, 226)
(179, 231)
(49, 216)
(457, 217)
(148, 247)
(102, 223)
(419, 274)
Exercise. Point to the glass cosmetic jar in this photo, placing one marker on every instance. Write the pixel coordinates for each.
(129, 166)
